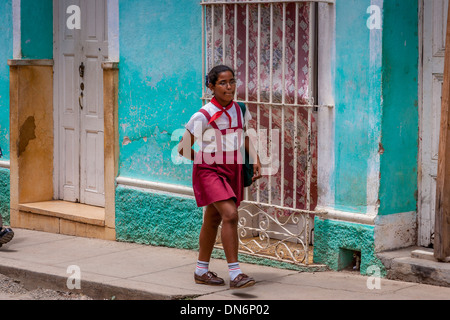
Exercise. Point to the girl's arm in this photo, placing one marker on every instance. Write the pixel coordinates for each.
(185, 146)
(253, 155)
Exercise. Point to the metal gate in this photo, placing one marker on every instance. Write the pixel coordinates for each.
(272, 47)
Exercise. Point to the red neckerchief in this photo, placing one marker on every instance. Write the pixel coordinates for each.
(218, 114)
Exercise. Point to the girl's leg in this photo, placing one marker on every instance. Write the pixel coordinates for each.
(230, 241)
(208, 233)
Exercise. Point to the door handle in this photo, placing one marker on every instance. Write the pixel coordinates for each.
(80, 100)
(81, 70)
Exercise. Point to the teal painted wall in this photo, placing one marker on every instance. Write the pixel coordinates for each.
(157, 219)
(376, 88)
(398, 171)
(37, 29)
(6, 52)
(338, 239)
(4, 196)
(160, 85)
(358, 106)
(377, 125)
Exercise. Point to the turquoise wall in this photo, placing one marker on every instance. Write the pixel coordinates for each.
(6, 52)
(4, 195)
(37, 29)
(339, 240)
(398, 172)
(376, 125)
(376, 96)
(357, 101)
(358, 115)
(160, 85)
(157, 219)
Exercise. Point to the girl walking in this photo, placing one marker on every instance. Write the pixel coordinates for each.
(217, 174)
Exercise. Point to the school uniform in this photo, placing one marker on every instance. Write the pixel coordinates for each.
(217, 172)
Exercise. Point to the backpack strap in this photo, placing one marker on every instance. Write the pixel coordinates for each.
(243, 109)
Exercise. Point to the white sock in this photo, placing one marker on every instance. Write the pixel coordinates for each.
(234, 270)
(202, 268)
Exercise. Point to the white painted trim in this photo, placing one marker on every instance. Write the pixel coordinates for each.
(113, 30)
(420, 172)
(5, 164)
(326, 116)
(157, 186)
(17, 33)
(373, 162)
(345, 216)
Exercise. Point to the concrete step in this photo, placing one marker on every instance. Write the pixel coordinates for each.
(67, 210)
(63, 217)
(415, 264)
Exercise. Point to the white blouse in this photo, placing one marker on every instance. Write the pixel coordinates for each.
(205, 133)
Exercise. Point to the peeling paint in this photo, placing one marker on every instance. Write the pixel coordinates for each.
(380, 148)
(126, 141)
(26, 134)
(357, 121)
(159, 89)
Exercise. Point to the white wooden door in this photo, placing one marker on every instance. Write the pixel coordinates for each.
(79, 101)
(433, 44)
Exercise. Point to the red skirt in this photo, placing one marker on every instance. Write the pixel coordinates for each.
(217, 180)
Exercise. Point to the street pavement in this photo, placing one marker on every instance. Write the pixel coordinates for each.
(115, 270)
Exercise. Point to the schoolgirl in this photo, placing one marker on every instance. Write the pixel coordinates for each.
(217, 174)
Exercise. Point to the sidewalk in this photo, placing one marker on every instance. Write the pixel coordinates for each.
(126, 271)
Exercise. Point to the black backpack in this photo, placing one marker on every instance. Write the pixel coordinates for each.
(247, 167)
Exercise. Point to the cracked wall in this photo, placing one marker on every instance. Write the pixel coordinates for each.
(160, 86)
(157, 218)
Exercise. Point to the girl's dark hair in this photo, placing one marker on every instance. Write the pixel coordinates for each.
(213, 75)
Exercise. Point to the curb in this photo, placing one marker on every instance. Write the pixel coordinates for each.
(96, 290)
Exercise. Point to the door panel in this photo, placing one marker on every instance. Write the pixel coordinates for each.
(80, 102)
(94, 52)
(66, 68)
(434, 28)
